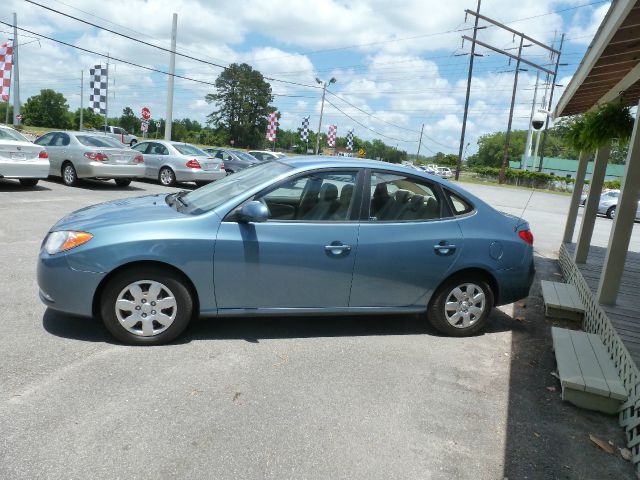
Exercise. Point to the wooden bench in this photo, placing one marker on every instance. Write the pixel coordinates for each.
(561, 300)
(587, 374)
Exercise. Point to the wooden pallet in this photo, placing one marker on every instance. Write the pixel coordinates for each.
(561, 300)
(587, 375)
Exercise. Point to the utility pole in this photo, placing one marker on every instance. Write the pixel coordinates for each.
(16, 75)
(81, 97)
(553, 85)
(324, 92)
(420, 143)
(466, 101)
(505, 153)
(172, 71)
(527, 147)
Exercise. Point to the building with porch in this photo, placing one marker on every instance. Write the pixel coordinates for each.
(608, 279)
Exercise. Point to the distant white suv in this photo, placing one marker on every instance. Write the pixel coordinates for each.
(120, 134)
(444, 172)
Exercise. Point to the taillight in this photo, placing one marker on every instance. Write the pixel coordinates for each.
(527, 236)
(43, 154)
(193, 164)
(97, 156)
(138, 159)
(221, 166)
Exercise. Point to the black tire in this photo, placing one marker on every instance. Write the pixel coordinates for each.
(28, 182)
(176, 285)
(611, 212)
(167, 177)
(436, 310)
(132, 143)
(122, 182)
(69, 174)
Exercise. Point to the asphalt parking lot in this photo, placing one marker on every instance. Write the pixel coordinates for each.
(294, 398)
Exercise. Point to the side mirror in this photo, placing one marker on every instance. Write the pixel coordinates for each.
(253, 212)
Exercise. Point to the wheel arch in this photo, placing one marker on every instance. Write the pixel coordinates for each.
(141, 264)
(485, 274)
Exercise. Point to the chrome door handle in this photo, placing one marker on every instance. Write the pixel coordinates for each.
(441, 249)
(338, 248)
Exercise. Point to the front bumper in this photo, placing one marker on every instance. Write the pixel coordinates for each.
(65, 289)
(110, 170)
(25, 169)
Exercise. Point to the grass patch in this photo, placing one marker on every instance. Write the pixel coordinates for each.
(504, 185)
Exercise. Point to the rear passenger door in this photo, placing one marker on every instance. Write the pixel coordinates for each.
(407, 244)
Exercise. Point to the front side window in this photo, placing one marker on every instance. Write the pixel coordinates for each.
(397, 198)
(322, 196)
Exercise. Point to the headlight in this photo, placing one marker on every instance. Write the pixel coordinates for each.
(61, 241)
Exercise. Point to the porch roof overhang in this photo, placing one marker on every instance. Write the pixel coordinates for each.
(610, 68)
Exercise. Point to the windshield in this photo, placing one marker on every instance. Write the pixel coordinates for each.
(9, 134)
(245, 156)
(186, 149)
(95, 141)
(215, 194)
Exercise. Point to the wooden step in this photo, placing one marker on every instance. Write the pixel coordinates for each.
(561, 300)
(587, 375)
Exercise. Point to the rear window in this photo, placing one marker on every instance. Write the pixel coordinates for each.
(9, 134)
(93, 141)
(459, 204)
(186, 149)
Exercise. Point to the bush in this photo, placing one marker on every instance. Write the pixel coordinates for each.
(524, 178)
(612, 184)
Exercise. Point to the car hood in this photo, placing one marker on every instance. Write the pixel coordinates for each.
(117, 212)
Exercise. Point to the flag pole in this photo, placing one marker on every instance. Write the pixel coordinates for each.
(16, 74)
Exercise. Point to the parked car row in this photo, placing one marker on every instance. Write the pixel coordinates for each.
(73, 156)
(442, 172)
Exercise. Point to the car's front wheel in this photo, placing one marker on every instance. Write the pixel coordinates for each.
(146, 306)
(461, 306)
(167, 177)
(611, 212)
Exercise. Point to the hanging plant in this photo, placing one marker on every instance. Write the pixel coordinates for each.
(611, 121)
(571, 130)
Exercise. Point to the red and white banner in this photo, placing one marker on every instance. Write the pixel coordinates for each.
(272, 126)
(6, 60)
(331, 137)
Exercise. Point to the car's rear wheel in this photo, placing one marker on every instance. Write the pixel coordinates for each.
(167, 177)
(123, 182)
(611, 212)
(28, 182)
(69, 174)
(461, 306)
(146, 306)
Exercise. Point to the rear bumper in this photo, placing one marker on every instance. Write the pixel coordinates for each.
(25, 169)
(110, 170)
(197, 175)
(514, 284)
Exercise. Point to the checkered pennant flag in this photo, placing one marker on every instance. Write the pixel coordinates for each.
(331, 136)
(98, 81)
(350, 140)
(304, 133)
(6, 59)
(272, 126)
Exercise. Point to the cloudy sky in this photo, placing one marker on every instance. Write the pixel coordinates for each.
(398, 64)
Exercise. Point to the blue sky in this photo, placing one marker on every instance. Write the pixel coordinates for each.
(397, 64)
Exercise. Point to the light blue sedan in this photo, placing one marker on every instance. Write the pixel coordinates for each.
(296, 236)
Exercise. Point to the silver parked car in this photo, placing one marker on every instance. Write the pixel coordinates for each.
(172, 162)
(77, 155)
(609, 202)
(234, 160)
(20, 159)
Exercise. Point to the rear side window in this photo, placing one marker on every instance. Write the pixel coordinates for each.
(44, 140)
(459, 204)
(396, 198)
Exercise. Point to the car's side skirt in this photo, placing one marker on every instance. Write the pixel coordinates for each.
(255, 312)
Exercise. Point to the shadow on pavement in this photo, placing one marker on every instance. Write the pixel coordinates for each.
(96, 185)
(546, 437)
(15, 186)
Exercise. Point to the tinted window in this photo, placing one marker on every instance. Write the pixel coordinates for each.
(157, 149)
(460, 205)
(399, 198)
(60, 140)
(325, 196)
(44, 139)
(141, 147)
(92, 141)
(186, 149)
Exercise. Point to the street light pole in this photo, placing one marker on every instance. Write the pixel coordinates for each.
(324, 92)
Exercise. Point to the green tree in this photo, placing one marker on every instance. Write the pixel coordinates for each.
(129, 121)
(3, 112)
(47, 109)
(90, 119)
(242, 102)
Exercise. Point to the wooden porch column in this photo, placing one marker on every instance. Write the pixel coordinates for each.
(591, 205)
(575, 197)
(614, 260)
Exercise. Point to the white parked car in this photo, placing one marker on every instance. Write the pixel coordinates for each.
(444, 172)
(120, 134)
(20, 159)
